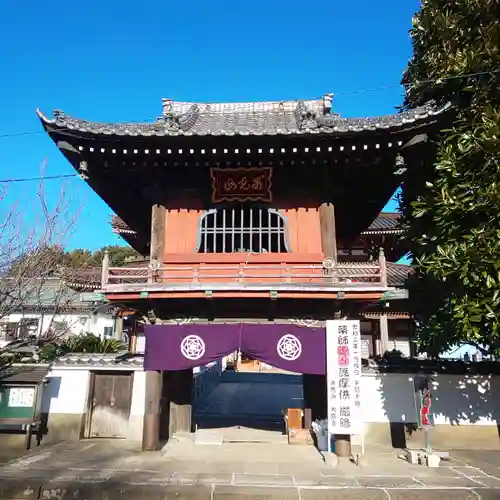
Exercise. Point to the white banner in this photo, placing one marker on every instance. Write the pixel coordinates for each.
(343, 375)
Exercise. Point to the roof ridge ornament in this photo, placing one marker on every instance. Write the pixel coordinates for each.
(305, 117)
(327, 104)
(178, 121)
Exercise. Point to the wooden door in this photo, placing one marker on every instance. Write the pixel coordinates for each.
(112, 396)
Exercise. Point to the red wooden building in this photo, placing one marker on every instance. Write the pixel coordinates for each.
(264, 212)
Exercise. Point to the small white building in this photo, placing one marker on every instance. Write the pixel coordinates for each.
(53, 307)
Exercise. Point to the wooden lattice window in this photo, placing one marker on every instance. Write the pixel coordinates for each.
(231, 230)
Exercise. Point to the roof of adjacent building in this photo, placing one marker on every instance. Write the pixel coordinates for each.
(385, 223)
(397, 274)
(48, 293)
(297, 117)
(100, 360)
(23, 373)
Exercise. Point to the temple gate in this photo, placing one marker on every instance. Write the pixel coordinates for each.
(257, 222)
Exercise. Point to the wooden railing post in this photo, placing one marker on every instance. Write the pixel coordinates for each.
(383, 267)
(105, 269)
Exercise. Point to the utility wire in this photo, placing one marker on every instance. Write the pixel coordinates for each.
(19, 134)
(336, 94)
(44, 178)
(420, 82)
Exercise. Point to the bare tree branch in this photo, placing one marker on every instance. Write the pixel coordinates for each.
(33, 269)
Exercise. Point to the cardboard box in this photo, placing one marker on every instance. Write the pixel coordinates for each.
(300, 437)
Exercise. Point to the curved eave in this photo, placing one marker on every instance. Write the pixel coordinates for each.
(344, 127)
(382, 232)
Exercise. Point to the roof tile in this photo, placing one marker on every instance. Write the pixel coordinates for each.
(260, 118)
(19, 373)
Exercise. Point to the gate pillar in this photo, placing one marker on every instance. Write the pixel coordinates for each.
(151, 422)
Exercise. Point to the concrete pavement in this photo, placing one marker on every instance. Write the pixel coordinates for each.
(108, 469)
(251, 463)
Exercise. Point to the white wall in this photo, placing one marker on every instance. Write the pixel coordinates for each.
(464, 400)
(135, 422)
(138, 394)
(66, 391)
(457, 399)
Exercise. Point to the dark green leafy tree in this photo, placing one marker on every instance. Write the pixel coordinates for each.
(118, 255)
(87, 343)
(74, 259)
(451, 201)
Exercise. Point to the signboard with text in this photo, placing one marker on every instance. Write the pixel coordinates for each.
(22, 397)
(241, 184)
(343, 373)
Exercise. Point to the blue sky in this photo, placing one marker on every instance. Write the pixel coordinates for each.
(114, 61)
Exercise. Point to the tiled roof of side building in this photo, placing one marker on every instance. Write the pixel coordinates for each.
(397, 274)
(385, 223)
(253, 118)
(124, 359)
(23, 373)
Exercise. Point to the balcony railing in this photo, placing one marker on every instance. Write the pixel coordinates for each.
(240, 276)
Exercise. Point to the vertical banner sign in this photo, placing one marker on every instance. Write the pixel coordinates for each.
(343, 374)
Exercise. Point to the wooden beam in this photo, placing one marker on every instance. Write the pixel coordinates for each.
(383, 267)
(384, 334)
(151, 423)
(328, 233)
(118, 333)
(158, 226)
(238, 295)
(105, 269)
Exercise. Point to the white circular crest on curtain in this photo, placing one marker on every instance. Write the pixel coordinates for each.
(289, 347)
(192, 347)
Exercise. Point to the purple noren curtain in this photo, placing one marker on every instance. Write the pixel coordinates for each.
(289, 347)
(178, 347)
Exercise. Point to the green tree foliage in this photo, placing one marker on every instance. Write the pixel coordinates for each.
(55, 258)
(118, 255)
(87, 343)
(450, 202)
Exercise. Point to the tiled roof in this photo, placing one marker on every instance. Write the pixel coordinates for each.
(385, 223)
(119, 226)
(50, 293)
(397, 274)
(20, 373)
(257, 118)
(100, 360)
